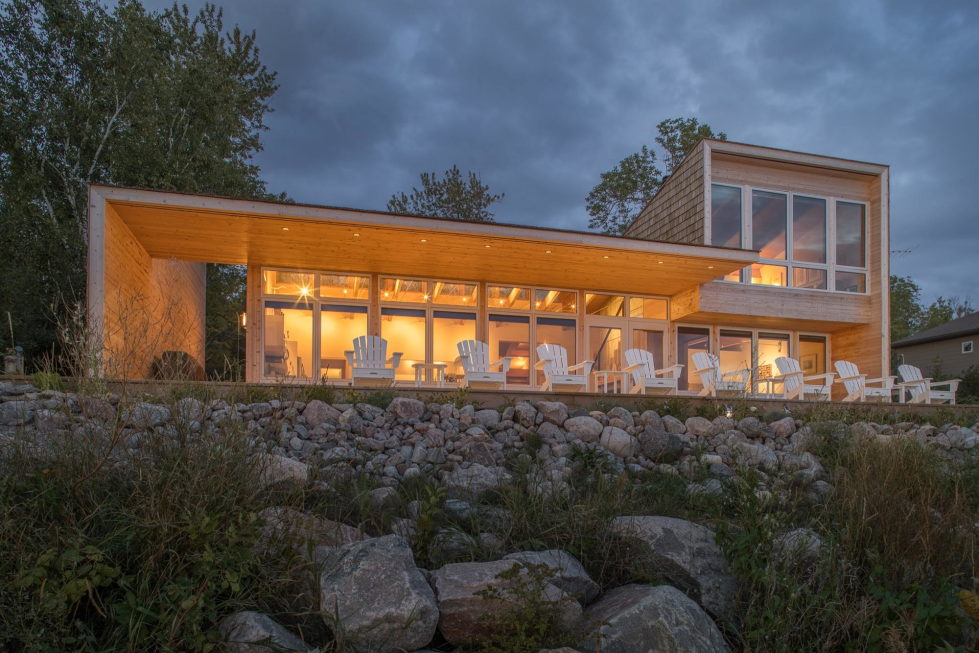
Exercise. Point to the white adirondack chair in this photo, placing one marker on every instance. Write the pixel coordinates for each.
(709, 368)
(794, 384)
(477, 367)
(369, 363)
(859, 387)
(557, 373)
(645, 376)
(915, 389)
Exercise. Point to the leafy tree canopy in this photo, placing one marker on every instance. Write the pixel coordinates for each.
(121, 96)
(448, 196)
(909, 316)
(626, 189)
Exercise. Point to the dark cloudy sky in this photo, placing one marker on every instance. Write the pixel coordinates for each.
(541, 96)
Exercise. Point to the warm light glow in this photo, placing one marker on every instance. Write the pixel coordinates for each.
(710, 267)
(547, 251)
(465, 299)
(501, 302)
(424, 296)
(486, 246)
(285, 228)
(345, 291)
(356, 235)
(660, 262)
(244, 319)
(424, 240)
(387, 294)
(537, 304)
(604, 257)
(574, 307)
(304, 291)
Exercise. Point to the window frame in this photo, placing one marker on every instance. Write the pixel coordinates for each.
(967, 347)
(830, 267)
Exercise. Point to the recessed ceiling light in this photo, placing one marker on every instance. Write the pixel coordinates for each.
(356, 235)
(486, 246)
(660, 262)
(710, 267)
(547, 251)
(424, 240)
(285, 228)
(604, 257)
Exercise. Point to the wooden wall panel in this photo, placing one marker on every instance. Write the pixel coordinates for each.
(149, 305)
(676, 213)
(789, 177)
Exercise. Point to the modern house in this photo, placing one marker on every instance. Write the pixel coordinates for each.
(748, 252)
(951, 347)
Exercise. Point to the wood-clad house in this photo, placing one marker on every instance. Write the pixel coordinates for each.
(748, 252)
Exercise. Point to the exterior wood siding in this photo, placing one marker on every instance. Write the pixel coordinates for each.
(676, 213)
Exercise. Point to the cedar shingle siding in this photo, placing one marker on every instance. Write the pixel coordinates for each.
(676, 213)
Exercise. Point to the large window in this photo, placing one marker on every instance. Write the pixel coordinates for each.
(804, 242)
(509, 337)
(556, 331)
(689, 341)
(340, 324)
(405, 330)
(288, 329)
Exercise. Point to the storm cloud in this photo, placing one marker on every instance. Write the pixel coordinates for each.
(541, 97)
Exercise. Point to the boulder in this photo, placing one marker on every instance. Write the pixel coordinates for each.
(279, 469)
(569, 575)
(254, 632)
(474, 480)
(623, 414)
(554, 412)
(660, 446)
(783, 428)
(406, 408)
(302, 531)
(752, 454)
(318, 412)
(753, 428)
(673, 425)
(525, 414)
(651, 420)
(687, 555)
(699, 426)
(16, 413)
(487, 418)
(619, 442)
(466, 616)
(383, 602)
(584, 427)
(651, 619)
(144, 415)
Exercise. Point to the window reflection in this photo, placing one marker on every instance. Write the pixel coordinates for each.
(808, 229)
(689, 341)
(768, 275)
(725, 216)
(556, 331)
(292, 284)
(340, 325)
(509, 336)
(850, 235)
(768, 211)
(851, 281)
(612, 305)
(556, 301)
(509, 297)
(405, 290)
(647, 308)
(448, 329)
(344, 286)
(812, 354)
(404, 329)
(809, 278)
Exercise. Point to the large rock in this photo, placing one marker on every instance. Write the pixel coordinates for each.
(145, 415)
(783, 428)
(623, 414)
(487, 418)
(569, 574)
(660, 446)
(317, 412)
(16, 413)
(699, 426)
(754, 428)
(553, 411)
(673, 425)
(279, 469)
(649, 619)
(406, 408)
(584, 427)
(651, 420)
(753, 454)
(686, 554)
(466, 616)
(302, 531)
(254, 632)
(525, 414)
(619, 442)
(382, 601)
(474, 480)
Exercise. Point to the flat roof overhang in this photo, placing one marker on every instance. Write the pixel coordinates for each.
(246, 232)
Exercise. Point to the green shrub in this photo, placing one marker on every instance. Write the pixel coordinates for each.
(46, 381)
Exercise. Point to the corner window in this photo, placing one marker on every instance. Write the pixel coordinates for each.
(725, 216)
(967, 347)
(768, 211)
(851, 226)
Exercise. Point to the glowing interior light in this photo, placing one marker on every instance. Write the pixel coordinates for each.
(547, 251)
(304, 291)
(285, 228)
(424, 240)
(387, 294)
(501, 302)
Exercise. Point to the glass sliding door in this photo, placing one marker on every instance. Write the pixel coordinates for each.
(689, 341)
(405, 330)
(288, 340)
(770, 346)
(734, 350)
(653, 341)
(812, 354)
(509, 336)
(557, 331)
(605, 348)
(340, 325)
(448, 329)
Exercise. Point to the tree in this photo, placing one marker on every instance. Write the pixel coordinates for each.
(447, 197)
(908, 316)
(627, 188)
(90, 95)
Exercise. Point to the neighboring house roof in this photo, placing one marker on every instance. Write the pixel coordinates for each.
(961, 327)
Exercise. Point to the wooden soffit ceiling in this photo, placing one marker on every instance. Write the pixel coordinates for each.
(216, 230)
